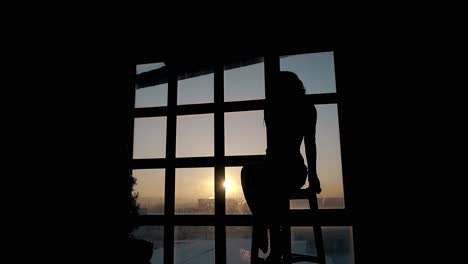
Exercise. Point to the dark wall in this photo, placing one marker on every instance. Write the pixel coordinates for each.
(97, 163)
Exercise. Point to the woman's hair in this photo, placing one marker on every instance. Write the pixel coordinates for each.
(287, 84)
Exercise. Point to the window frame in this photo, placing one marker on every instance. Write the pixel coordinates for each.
(325, 217)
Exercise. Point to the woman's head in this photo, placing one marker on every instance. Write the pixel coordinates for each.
(287, 84)
(286, 94)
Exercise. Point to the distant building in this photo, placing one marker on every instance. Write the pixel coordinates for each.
(142, 210)
(237, 206)
(206, 205)
(323, 203)
(233, 205)
(151, 205)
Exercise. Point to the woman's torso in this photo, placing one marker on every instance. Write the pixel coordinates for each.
(287, 127)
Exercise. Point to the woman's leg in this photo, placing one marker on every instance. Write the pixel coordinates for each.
(250, 181)
(253, 186)
(285, 180)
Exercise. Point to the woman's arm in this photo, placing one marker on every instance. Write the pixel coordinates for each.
(311, 153)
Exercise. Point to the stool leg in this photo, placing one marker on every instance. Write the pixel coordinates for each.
(319, 243)
(275, 243)
(313, 203)
(287, 243)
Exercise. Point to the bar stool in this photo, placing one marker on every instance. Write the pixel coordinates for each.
(285, 234)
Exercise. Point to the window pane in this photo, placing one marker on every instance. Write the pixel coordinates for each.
(316, 71)
(238, 243)
(150, 188)
(299, 204)
(235, 201)
(328, 158)
(150, 96)
(140, 68)
(194, 245)
(338, 244)
(194, 191)
(302, 240)
(244, 83)
(154, 234)
(195, 90)
(245, 133)
(149, 140)
(195, 136)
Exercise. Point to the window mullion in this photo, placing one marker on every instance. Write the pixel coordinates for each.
(170, 169)
(220, 194)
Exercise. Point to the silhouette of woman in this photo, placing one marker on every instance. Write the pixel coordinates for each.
(289, 120)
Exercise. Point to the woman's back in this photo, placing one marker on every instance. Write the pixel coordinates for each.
(288, 123)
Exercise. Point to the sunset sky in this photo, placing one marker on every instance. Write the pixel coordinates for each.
(245, 132)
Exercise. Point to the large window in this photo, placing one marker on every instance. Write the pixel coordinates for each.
(193, 132)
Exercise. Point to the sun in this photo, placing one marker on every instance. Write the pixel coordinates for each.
(227, 184)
